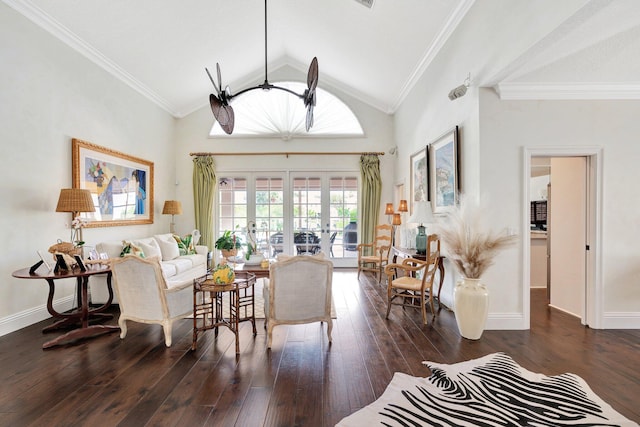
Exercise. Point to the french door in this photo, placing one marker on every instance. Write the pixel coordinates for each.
(293, 212)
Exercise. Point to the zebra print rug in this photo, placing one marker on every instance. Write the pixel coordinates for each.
(491, 391)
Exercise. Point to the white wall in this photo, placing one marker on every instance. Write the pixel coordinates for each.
(492, 136)
(509, 126)
(51, 94)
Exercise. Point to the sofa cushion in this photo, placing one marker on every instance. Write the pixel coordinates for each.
(181, 264)
(168, 269)
(168, 246)
(196, 259)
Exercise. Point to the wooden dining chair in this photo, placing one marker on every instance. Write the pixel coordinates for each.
(412, 283)
(374, 256)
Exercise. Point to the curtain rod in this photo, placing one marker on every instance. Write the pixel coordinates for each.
(293, 153)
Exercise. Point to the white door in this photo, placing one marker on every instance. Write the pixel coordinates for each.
(567, 234)
(324, 211)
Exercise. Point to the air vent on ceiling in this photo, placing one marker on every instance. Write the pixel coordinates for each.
(368, 3)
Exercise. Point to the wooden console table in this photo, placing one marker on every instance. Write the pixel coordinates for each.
(80, 317)
(412, 253)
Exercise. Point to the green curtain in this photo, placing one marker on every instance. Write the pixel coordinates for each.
(204, 185)
(371, 194)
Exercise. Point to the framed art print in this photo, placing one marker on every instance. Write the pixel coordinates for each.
(443, 175)
(121, 185)
(419, 189)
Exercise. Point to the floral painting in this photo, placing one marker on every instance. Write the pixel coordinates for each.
(121, 185)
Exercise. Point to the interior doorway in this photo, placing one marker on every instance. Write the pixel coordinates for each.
(587, 304)
(558, 231)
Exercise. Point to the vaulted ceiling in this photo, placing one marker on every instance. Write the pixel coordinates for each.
(585, 49)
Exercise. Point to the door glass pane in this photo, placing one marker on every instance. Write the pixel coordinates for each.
(232, 204)
(307, 215)
(343, 208)
(269, 215)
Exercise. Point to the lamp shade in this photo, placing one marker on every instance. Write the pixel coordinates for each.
(396, 219)
(388, 210)
(421, 213)
(403, 206)
(172, 207)
(75, 200)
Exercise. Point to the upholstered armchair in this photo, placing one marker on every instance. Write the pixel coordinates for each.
(375, 256)
(145, 297)
(298, 291)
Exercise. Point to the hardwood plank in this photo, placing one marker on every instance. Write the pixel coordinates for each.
(302, 380)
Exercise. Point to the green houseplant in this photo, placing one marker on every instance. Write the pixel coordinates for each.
(228, 244)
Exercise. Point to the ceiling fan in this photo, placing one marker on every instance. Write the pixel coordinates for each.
(220, 103)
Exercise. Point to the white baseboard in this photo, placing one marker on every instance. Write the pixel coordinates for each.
(33, 315)
(515, 321)
(621, 320)
(505, 321)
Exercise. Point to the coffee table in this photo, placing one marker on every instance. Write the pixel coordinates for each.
(256, 269)
(208, 305)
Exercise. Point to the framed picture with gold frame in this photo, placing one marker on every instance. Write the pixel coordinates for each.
(121, 185)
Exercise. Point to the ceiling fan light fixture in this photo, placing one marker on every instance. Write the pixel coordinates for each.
(220, 104)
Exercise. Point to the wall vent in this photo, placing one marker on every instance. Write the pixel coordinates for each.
(368, 3)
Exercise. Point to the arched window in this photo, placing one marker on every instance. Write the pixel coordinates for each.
(279, 114)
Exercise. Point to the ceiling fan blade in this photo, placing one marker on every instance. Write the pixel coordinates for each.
(312, 75)
(230, 119)
(219, 78)
(309, 122)
(212, 81)
(218, 109)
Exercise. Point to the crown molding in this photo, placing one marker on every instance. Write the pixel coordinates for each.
(452, 23)
(46, 22)
(568, 91)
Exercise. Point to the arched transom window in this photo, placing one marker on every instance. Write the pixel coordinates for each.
(279, 114)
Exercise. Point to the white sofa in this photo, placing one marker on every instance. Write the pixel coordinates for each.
(177, 269)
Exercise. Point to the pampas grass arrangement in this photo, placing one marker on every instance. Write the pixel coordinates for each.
(469, 243)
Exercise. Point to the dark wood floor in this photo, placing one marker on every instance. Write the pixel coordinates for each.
(302, 381)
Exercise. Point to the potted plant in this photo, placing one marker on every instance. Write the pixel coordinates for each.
(228, 244)
(472, 247)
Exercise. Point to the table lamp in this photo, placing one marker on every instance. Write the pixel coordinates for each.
(421, 214)
(75, 200)
(395, 222)
(172, 207)
(388, 211)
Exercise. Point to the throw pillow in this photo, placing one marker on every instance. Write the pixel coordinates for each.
(130, 248)
(150, 249)
(169, 249)
(185, 244)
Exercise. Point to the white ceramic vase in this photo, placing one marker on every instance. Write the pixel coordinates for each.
(472, 307)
